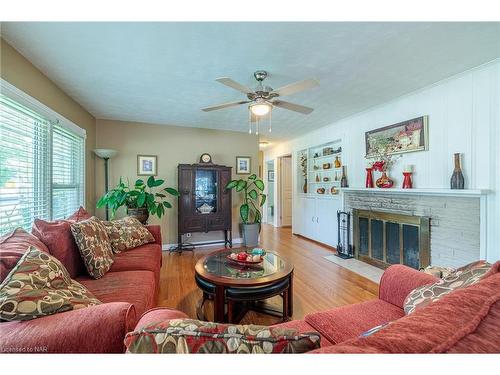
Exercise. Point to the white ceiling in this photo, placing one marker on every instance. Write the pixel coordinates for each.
(164, 72)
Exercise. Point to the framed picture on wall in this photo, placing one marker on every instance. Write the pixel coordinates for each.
(243, 164)
(270, 176)
(147, 165)
(407, 136)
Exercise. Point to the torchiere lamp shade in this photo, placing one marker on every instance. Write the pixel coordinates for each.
(105, 153)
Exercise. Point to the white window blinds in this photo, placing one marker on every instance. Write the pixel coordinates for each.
(24, 185)
(67, 172)
(41, 167)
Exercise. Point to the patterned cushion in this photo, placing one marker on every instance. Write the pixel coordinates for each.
(127, 233)
(39, 285)
(194, 336)
(461, 278)
(13, 246)
(94, 246)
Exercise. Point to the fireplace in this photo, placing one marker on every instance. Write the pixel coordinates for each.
(385, 238)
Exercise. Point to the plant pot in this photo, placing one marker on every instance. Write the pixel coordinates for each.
(251, 234)
(140, 214)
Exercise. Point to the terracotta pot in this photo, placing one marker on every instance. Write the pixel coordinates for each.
(384, 182)
(140, 214)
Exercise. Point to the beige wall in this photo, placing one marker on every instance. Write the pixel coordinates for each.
(173, 145)
(18, 71)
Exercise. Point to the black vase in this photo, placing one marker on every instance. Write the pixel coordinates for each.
(457, 178)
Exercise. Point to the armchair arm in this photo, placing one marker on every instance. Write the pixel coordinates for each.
(398, 281)
(95, 329)
(155, 230)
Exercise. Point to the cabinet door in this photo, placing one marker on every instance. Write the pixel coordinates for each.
(298, 223)
(310, 218)
(185, 186)
(326, 220)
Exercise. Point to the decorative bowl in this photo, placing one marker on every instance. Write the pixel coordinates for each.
(205, 208)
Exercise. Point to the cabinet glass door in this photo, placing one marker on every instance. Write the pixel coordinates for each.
(205, 191)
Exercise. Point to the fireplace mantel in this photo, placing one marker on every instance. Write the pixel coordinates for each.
(477, 193)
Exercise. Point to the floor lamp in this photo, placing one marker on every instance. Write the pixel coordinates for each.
(106, 154)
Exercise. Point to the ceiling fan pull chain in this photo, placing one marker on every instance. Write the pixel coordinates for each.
(249, 122)
(257, 126)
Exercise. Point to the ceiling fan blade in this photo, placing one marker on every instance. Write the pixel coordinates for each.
(292, 88)
(224, 105)
(235, 85)
(292, 107)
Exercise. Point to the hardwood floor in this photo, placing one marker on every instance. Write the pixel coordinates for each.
(318, 283)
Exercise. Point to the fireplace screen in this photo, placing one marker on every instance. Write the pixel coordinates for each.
(382, 239)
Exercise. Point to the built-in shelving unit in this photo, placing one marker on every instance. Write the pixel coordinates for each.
(322, 170)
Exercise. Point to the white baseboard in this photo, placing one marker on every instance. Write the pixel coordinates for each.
(167, 246)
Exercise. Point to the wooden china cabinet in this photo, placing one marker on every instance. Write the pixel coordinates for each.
(204, 202)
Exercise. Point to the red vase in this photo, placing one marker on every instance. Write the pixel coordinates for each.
(407, 182)
(384, 182)
(369, 178)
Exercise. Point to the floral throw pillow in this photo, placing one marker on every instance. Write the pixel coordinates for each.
(94, 246)
(39, 285)
(193, 336)
(127, 233)
(461, 278)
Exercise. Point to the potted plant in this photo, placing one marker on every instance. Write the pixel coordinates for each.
(250, 214)
(141, 200)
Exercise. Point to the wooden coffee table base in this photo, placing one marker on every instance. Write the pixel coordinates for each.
(232, 303)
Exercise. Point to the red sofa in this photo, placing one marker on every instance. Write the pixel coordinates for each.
(128, 290)
(467, 320)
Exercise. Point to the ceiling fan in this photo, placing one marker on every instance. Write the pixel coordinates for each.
(264, 98)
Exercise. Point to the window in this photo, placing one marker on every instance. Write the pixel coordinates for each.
(41, 162)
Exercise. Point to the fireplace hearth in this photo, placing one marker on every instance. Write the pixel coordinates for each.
(386, 238)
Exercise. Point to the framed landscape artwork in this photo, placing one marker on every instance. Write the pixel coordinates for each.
(407, 136)
(147, 165)
(270, 176)
(243, 164)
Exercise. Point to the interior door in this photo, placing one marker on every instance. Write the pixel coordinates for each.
(286, 191)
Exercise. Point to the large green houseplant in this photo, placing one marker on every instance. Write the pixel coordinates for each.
(143, 199)
(253, 199)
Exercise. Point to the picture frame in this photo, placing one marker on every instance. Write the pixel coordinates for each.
(400, 138)
(147, 165)
(270, 176)
(243, 164)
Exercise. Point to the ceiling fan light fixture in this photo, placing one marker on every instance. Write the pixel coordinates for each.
(260, 108)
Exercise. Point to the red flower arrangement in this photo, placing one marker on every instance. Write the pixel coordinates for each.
(378, 165)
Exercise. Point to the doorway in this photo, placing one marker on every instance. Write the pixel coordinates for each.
(270, 192)
(285, 191)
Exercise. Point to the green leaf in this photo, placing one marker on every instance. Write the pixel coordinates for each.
(158, 182)
(160, 195)
(241, 185)
(167, 205)
(160, 210)
(244, 212)
(252, 177)
(151, 181)
(139, 182)
(253, 194)
(102, 201)
(259, 184)
(150, 198)
(172, 191)
(134, 193)
(141, 199)
(263, 199)
(231, 184)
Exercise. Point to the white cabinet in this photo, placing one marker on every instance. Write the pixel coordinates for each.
(316, 218)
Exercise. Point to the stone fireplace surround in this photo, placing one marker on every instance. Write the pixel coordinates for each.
(455, 217)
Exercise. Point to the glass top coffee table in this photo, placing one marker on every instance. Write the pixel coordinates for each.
(237, 288)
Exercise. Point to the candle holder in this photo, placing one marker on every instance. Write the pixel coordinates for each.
(369, 178)
(407, 181)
